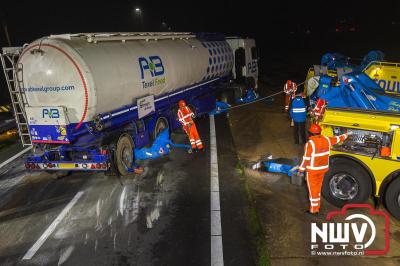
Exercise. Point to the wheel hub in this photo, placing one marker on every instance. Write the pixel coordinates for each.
(160, 128)
(344, 186)
(127, 156)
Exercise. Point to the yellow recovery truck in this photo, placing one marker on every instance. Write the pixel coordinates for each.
(368, 162)
(385, 74)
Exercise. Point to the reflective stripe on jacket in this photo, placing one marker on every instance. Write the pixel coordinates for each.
(185, 115)
(290, 90)
(316, 152)
(298, 110)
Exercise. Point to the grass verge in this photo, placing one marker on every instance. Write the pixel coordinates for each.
(255, 225)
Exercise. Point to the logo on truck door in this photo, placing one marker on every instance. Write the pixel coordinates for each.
(151, 71)
(252, 66)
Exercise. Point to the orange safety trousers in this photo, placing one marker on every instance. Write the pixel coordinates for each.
(314, 181)
(316, 164)
(193, 134)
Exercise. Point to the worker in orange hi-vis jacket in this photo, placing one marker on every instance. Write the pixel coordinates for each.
(316, 163)
(289, 89)
(185, 116)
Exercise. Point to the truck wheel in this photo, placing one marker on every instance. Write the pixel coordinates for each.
(392, 198)
(227, 96)
(251, 83)
(239, 91)
(124, 153)
(346, 182)
(161, 124)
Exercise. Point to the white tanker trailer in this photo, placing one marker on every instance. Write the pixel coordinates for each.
(78, 96)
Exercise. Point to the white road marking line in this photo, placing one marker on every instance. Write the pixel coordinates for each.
(217, 256)
(215, 204)
(15, 157)
(216, 229)
(32, 251)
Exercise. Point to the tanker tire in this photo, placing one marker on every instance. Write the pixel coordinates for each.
(125, 147)
(352, 170)
(239, 91)
(227, 96)
(250, 83)
(161, 124)
(392, 198)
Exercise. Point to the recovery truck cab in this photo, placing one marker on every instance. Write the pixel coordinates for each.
(368, 162)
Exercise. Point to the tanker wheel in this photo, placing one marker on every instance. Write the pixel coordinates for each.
(251, 83)
(227, 96)
(124, 153)
(239, 91)
(161, 124)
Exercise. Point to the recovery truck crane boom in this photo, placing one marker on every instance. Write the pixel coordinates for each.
(356, 90)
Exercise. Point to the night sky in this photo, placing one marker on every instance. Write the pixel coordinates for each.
(291, 36)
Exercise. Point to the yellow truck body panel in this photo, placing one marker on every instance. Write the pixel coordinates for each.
(386, 75)
(372, 121)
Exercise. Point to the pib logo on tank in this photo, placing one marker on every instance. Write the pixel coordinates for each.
(351, 234)
(151, 71)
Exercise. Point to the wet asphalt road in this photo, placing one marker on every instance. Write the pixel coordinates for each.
(159, 218)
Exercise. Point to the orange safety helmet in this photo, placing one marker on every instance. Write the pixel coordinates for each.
(182, 103)
(315, 129)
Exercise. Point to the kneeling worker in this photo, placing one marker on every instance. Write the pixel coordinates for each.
(316, 163)
(185, 116)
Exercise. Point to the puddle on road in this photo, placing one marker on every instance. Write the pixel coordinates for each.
(141, 199)
(114, 215)
(136, 206)
(66, 253)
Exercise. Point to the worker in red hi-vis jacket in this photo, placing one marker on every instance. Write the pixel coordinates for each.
(316, 163)
(289, 89)
(185, 116)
